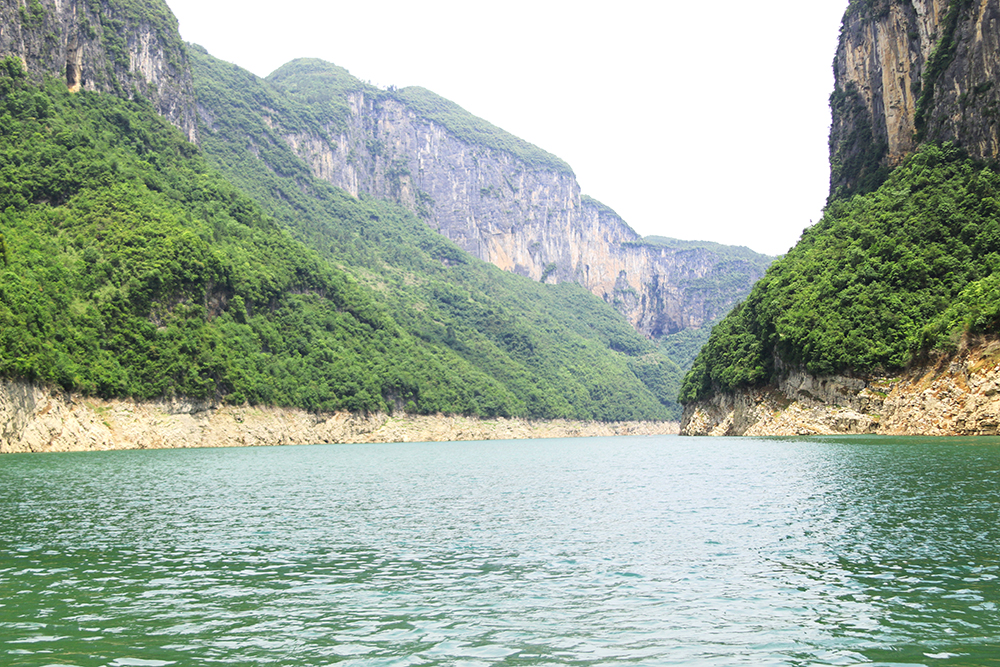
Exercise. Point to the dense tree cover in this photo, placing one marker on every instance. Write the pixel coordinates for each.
(882, 278)
(318, 90)
(129, 267)
(558, 350)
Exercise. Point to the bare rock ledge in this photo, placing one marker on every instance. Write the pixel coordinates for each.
(38, 419)
(950, 395)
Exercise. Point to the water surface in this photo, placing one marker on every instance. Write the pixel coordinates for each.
(604, 551)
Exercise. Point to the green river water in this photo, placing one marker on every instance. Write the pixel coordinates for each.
(603, 551)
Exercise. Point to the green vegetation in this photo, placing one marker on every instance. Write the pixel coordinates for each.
(870, 8)
(125, 13)
(475, 130)
(602, 208)
(724, 252)
(557, 351)
(882, 279)
(321, 90)
(130, 268)
(33, 15)
(682, 348)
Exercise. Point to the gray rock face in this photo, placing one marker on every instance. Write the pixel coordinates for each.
(107, 46)
(529, 220)
(523, 218)
(909, 71)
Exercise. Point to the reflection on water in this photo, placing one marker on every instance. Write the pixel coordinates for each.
(603, 551)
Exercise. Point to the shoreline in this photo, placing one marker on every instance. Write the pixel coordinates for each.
(35, 419)
(948, 395)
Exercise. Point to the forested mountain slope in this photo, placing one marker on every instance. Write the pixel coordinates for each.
(507, 322)
(496, 196)
(900, 277)
(139, 265)
(132, 268)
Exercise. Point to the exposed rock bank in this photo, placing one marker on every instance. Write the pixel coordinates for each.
(35, 419)
(958, 395)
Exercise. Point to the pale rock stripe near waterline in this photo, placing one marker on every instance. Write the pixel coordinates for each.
(38, 419)
(947, 396)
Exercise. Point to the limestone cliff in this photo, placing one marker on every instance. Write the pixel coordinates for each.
(500, 199)
(950, 395)
(106, 45)
(908, 71)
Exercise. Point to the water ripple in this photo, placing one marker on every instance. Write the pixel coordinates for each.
(662, 551)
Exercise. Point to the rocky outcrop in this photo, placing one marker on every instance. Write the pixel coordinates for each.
(956, 395)
(526, 218)
(908, 71)
(125, 48)
(36, 419)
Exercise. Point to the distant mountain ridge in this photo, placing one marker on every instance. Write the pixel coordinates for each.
(499, 198)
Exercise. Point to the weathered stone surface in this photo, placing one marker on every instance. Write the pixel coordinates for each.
(105, 47)
(36, 419)
(527, 220)
(884, 55)
(958, 395)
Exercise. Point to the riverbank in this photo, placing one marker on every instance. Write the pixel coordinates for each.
(37, 419)
(947, 395)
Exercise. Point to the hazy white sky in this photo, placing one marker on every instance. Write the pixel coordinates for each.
(694, 120)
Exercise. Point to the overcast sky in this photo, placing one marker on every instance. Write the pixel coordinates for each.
(694, 120)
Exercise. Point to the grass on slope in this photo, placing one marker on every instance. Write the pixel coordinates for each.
(558, 351)
(129, 267)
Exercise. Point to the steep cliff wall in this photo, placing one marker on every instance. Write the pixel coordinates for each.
(908, 71)
(522, 214)
(951, 395)
(114, 46)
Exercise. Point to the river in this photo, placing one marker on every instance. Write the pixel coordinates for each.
(602, 551)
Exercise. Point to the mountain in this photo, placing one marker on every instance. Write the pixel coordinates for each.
(176, 229)
(498, 197)
(127, 47)
(909, 73)
(280, 147)
(137, 264)
(884, 317)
